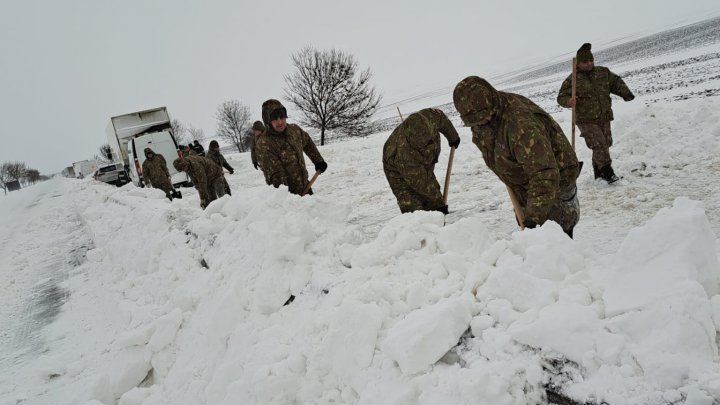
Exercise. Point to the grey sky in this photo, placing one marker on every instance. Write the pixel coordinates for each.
(67, 66)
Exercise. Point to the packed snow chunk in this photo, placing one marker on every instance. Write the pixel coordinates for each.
(469, 236)
(673, 340)
(129, 369)
(676, 246)
(426, 334)
(570, 329)
(135, 396)
(349, 345)
(165, 329)
(406, 232)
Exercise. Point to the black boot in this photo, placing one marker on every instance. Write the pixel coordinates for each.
(608, 174)
(596, 172)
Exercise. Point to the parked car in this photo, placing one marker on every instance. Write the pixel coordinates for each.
(113, 173)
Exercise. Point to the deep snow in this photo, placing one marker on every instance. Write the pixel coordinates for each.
(167, 304)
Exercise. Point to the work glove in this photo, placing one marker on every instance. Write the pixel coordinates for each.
(530, 224)
(454, 144)
(321, 167)
(631, 98)
(443, 209)
(231, 171)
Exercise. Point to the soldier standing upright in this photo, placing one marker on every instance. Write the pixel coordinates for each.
(409, 158)
(593, 104)
(217, 157)
(258, 128)
(280, 150)
(156, 173)
(525, 148)
(205, 175)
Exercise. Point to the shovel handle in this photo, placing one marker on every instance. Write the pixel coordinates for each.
(309, 186)
(446, 190)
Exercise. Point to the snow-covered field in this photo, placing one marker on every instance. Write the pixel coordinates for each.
(163, 303)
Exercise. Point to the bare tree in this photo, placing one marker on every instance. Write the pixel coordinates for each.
(11, 171)
(5, 176)
(330, 92)
(233, 121)
(106, 155)
(182, 136)
(17, 170)
(32, 176)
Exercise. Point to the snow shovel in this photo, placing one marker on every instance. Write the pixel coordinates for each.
(516, 207)
(309, 186)
(447, 175)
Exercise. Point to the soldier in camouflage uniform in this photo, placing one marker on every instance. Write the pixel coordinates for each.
(280, 150)
(205, 175)
(258, 128)
(156, 174)
(409, 158)
(593, 87)
(217, 157)
(525, 148)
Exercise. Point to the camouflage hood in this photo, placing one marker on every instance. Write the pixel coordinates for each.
(268, 107)
(475, 99)
(179, 164)
(148, 151)
(259, 126)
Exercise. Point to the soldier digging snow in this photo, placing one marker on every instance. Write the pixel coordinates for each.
(593, 87)
(217, 157)
(156, 173)
(525, 148)
(280, 150)
(205, 175)
(409, 158)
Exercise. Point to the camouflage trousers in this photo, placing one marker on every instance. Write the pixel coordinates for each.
(165, 186)
(226, 186)
(598, 138)
(216, 188)
(411, 192)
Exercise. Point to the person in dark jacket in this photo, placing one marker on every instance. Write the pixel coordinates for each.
(593, 108)
(525, 148)
(409, 158)
(217, 157)
(280, 150)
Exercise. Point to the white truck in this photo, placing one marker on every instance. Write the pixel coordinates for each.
(84, 168)
(129, 134)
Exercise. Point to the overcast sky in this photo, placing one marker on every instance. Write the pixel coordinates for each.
(66, 67)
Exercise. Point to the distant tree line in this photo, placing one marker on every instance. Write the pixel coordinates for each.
(19, 172)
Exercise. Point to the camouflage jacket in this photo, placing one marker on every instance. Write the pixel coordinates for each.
(593, 90)
(253, 154)
(416, 142)
(219, 159)
(528, 151)
(203, 172)
(155, 172)
(282, 160)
